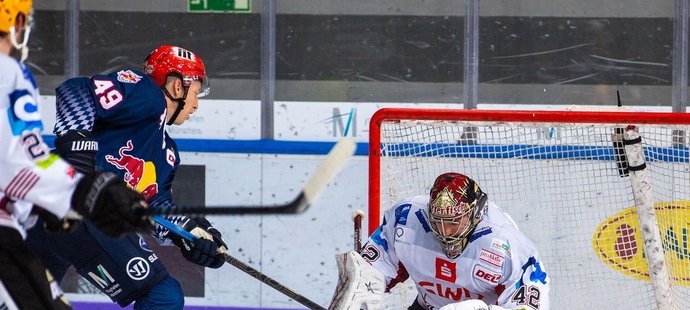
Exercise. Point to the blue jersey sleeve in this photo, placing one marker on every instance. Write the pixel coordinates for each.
(121, 98)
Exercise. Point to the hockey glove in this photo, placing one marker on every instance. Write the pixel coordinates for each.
(110, 205)
(206, 251)
(53, 224)
(79, 149)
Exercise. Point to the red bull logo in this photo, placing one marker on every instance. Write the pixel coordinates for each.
(140, 175)
(128, 76)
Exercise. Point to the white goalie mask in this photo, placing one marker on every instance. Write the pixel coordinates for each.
(456, 205)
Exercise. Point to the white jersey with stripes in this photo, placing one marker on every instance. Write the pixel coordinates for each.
(499, 264)
(28, 172)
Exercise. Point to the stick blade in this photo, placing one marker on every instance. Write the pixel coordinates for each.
(334, 162)
(336, 159)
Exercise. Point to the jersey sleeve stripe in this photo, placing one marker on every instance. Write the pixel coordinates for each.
(22, 183)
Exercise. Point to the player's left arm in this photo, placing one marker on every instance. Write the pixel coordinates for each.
(527, 287)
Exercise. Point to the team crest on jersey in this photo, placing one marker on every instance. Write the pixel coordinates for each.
(127, 76)
(140, 174)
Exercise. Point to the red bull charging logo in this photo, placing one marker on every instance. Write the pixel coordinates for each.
(140, 175)
(128, 76)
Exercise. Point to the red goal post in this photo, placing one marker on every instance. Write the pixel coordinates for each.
(558, 173)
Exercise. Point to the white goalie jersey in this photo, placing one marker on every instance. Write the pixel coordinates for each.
(28, 172)
(499, 265)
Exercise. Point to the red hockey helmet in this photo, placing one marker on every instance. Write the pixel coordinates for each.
(170, 60)
(456, 205)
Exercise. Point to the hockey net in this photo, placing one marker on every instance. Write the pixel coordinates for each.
(561, 176)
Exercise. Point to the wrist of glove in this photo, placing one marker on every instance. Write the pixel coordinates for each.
(79, 149)
(109, 204)
(208, 249)
(53, 224)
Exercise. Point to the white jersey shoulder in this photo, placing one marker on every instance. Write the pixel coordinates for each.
(30, 172)
(495, 262)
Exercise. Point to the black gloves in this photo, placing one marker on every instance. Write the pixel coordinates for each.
(208, 249)
(110, 205)
(79, 149)
(103, 198)
(53, 224)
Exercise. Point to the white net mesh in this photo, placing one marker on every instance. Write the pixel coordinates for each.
(561, 183)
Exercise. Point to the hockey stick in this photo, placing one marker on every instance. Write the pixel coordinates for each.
(357, 217)
(242, 266)
(339, 155)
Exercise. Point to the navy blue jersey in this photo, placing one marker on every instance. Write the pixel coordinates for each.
(126, 112)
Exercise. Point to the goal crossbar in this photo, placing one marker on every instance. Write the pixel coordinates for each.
(513, 116)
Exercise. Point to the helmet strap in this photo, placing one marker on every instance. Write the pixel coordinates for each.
(180, 103)
(21, 47)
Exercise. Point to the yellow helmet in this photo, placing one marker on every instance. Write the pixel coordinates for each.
(10, 9)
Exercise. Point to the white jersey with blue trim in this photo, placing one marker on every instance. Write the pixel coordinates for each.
(28, 172)
(499, 265)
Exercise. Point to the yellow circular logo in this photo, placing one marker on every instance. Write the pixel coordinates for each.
(618, 243)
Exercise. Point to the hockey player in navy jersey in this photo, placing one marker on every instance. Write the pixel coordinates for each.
(33, 181)
(460, 249)
(117, 122)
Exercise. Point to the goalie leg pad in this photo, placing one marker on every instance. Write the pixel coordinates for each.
(360, 286)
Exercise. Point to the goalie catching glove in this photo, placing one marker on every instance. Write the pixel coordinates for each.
(360, 285)
(109, 204)
(208, 249)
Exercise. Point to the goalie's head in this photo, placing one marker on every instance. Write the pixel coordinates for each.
(456, 205)
(15, 17)
(168, 60)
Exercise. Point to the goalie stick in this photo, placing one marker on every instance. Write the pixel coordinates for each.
(357, 219)
(339, 155)
(244, 267)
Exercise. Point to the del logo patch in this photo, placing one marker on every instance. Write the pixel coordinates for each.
(445, 270)
(486, 275)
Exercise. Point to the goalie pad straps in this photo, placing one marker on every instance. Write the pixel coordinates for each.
(360, 285)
